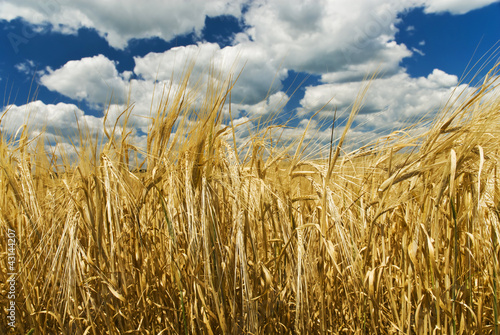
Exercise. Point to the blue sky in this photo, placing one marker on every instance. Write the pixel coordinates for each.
(62, 59)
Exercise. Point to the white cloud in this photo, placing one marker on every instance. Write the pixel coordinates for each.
(267, 107)
(26, 67)
(440, 78)
(286, 26)
(386, 64)
(325, 36)
(161, 66)
(455, 6)
(119, 21)
(61, 125)
(390, 103)
(93, 79)
(418, 51)
(258, 76)
(280, 32)
(59, 119)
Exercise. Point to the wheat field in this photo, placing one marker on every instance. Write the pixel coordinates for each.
(212, 236)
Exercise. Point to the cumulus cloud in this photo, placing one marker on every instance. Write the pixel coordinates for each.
(61, 125)
(27, 67)
(455, 6)
(257, 78)
(59, 119)
(92, 79)
(162, 65)
(390, 103)
(418, 51)
(270, 106)
(274, 21)
(119, 21)
(326, 36)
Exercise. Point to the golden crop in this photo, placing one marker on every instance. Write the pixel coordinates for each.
(209, 240)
